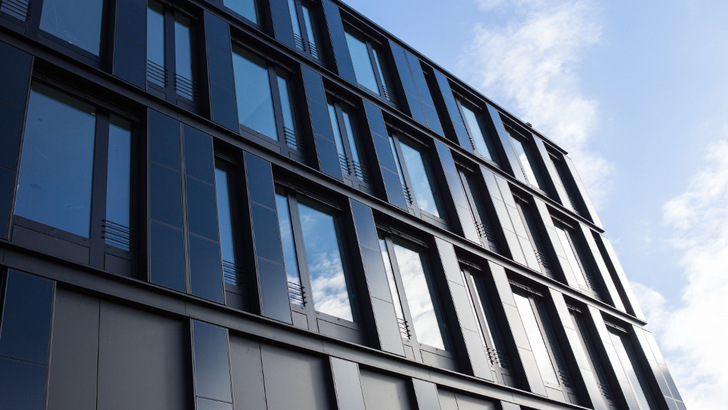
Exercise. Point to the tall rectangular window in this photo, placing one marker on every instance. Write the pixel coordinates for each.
(567, 181)
(314, 257)
(478, 132)
(413, 292)
(245, 8)
(576, 258)
(76, 22)
(416, 176)
(526, 159)
(630, 366)
(170, 53)
(232, 270)
(535, 237)
(305, 31)
(369, 67)
(264, 99)
(60, 185)
(348, 144)
(481, 215)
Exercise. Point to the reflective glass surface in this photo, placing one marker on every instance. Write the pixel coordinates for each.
(253, 92)
(352, 136)
(325, 268)
(419, 299)
(118, 191)
(310, 31)
(155, 37)
(337, 132)
(630, 371)
(56, 167)
(182, 47)
(289, 247)
(223, 216)
(422, 183)
(476, 133)
(362, 64)
(78, 22)
(382, 77)
(523, 159)
(246, 8)
(564, 239)
(294, 17)
(289, 120)
(390, 280)
(536, 340)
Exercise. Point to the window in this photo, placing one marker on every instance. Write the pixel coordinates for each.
(589, 348)
(77, 23)
(526, 159)
(567, 181)
(535, 237)
(631, 367)
(477, 132)
(170, 55)
(481, 215)
(413, 292)
(225, 196)
(575, 256)
(75, 172)
(265, 101)
(482, 306)
(416, 177)
(348, 144)
(369, 67)
(314, 257)
(543, 342)
(304, 27)
(245, 8)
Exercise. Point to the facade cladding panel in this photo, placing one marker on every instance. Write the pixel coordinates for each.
(268, 204)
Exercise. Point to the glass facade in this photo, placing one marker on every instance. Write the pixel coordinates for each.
(77, 22)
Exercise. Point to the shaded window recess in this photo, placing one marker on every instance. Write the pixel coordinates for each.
(371, 66)
(304, 18)
(535, 235)
(172, 70)
(481, 209)
(266, 102)
(345, 122)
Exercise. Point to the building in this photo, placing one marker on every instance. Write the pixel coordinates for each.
(274, 203)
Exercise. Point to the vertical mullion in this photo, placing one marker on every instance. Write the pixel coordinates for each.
(98, 198)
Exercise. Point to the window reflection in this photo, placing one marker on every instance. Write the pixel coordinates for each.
(566, 242)
(418, 183)
(77, 22)
(524, 155)
(225, 223)
(246, 8)
(478, 136)
(252, 87)
(536, 339)
(347, 142)
(369, 68)
(289, 248)
(118, 187)
(631, 369)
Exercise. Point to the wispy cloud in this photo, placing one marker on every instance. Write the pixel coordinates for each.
(532, 61)
(693, 334)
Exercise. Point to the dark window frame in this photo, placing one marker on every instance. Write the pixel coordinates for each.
(311, 47)
(486, 129)
(486, 222)
(96, 243)
(381, 65)
(355, 173)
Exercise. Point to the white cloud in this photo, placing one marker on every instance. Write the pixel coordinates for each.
(532, 61)
(693, 334)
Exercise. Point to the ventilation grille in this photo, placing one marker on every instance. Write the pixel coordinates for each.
(404, 328)
(486, 233)
(20, 9)
(295, 293)
(291, 139)
(353, 168)
(306, 46)
(233, 275)
(156, 74)
(116, 235)
(498, 358)
(184, 87)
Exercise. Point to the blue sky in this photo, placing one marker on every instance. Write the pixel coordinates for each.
(637, 93)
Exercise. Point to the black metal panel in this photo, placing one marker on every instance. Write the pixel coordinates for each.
(130, 42)
(212, 367)
(272, 282)
(295, 380)
(167, 257)
(26, 317)
(505, 140)
(72, 379)
(385, 157)
(23, 385)
(282, 22)
(344, 66)
(328, 157)
(456, 192)
(347, 385)
(423, 91)
(220, 72)
(164, 142)
(205, 269)
(7, 187)
(408, 83)
(247, 374)
(199, 157)
(456, 121)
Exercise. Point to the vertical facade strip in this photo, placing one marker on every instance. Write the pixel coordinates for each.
(347, 384)
(211, 362)
(456, 194)
(408, 83)
(130, 42)
(601, 268)
(631, 299)
(423, 92)
(455, 126)
(658, 368)
(592, 213)
(505, 142)
(507, 214)
(344, 66)
(220, 72)
(426, 395)
(282, 23)
(554, 180)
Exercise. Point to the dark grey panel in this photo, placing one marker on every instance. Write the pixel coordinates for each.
(472, 403)
(247, 374)
(382, 391)
(447, 400)
(164, 143)
(390, 338)
(199, 158)
(143, 361)
(130, 46)
(26, 317)
(205, 269)
(327, 155)
(456, 122)
(505, 141)
(7, 187)
(165, 192)
(408, 83)
(205, 404)
(220, 72)
(212, 367)
(347, 385)
(167, 258)
(423, 91)
(338, 41)
(201, 209)
(23, 385)
(259, 179)
(426, 395)
(295, 380)
(14, 81)
(74, 352)
(273, 291)
(282, 26)
(457, 194)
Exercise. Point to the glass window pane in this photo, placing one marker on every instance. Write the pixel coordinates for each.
(246, 8)
(352, 137)
(78, 22)
(325, 267)
(289, 119)
(294, 18)
(155, 37)
(362, 64)
(118, 191)
(422, 183)
(476, 133)
(224, 217)
(419, 299)
(253, 92)
(564, 239)
(56, 167)
(382, 75)
(337, 132)
(396, 300)
(182, 47)
(310, 31)
(523, 159)
(289, 247)
(536, 340)
(630, 371)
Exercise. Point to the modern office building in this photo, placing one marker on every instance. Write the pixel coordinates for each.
(275, 204)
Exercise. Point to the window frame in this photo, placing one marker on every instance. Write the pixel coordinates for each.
(171, 91)
(486, 223)
(312, 48)
(483, 123)
(535, 235)
(96, 243)
(380, 64)
(306, 306)
(355, 173)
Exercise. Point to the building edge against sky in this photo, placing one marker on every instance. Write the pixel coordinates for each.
(264, 204)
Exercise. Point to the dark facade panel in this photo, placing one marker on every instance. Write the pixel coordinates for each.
(247, 374)
(282, 22)
(295, 380)
(347, 385)
(408, 83)
(456, 193)
(326, 153)
(23, 386)
(130, 42)
(382, 391)
(426, 395)
(212, 366)
(220, 72)
(455, 126)
(423, 92)
(505, 142)
(338, 41)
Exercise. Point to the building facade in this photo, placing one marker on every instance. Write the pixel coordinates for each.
(269, 204)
